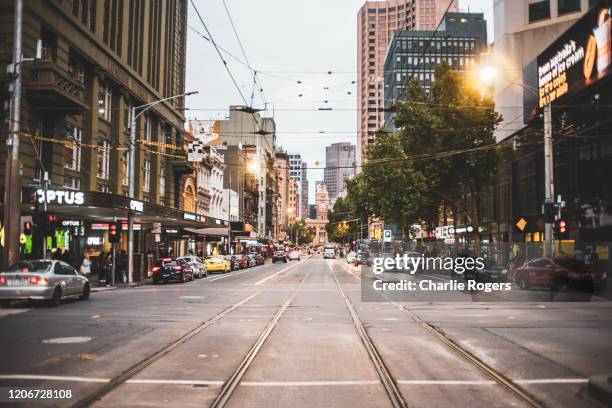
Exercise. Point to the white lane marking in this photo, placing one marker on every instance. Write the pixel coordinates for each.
(276, 273)
(8, 312)
(304, 383)
(227, 275)
(36, 377)
(67, 340)
(554, 381)
(446, 382)
(435, 277)
(52, 378)
(174, 382)
(191, 297)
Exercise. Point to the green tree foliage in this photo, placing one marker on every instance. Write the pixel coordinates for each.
(442, 156)
(344, 225)
(304, 234)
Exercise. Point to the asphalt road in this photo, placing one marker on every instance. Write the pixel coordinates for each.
(298, 335)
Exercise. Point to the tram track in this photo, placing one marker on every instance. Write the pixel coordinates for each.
(497, 376)
(138, 367)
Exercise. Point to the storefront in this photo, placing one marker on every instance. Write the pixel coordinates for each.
(81, 223)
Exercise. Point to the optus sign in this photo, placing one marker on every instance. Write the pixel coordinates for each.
(60, 197)
(579, 58)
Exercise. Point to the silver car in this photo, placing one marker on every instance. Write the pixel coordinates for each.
(50, 280)
(197, 264)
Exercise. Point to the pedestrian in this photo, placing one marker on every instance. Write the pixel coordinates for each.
(85, 265)
(108, 269)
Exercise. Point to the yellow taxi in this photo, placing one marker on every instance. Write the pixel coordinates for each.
(218, 264)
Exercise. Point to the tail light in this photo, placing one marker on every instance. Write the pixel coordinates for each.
(155, 269)
(177, 267)
(37, 280)
(166, 259)
(2, 280)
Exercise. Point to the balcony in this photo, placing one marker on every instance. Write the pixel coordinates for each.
(48, 84)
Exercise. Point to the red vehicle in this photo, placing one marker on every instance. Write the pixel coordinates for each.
(242, 261)
(559, 272)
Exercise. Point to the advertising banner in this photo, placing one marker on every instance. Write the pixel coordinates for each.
(579, 58)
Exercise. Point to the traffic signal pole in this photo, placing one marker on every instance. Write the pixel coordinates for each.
(549, 186)
(12, 183)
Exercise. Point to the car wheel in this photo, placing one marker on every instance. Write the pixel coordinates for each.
(156, 279)
(56, 298)
(5, 303)
(183, 277)
(523, 283)
(85, 294)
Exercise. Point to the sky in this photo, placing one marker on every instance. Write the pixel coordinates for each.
(292, 45)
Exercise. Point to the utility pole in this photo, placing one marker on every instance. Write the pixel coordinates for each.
(229, 212)
(12, 184)
(132, 177)
(549, 186)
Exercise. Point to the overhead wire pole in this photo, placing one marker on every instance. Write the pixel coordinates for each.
(132, 173)
(12, 185)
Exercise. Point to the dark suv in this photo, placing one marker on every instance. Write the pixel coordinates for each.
(176, 269)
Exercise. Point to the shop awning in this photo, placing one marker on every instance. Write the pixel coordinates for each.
(208, 231)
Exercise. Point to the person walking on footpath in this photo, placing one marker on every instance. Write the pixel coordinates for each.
(85, 265)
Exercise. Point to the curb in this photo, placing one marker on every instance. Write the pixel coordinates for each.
(600, 387)
(132, 285)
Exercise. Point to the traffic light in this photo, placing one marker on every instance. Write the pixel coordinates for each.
(27, 228)
(561, 229)
(51, 222)
(550, 212)
(114, 232)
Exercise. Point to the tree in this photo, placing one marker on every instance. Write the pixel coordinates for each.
(304, 234)
(442, 157)
(348, 217)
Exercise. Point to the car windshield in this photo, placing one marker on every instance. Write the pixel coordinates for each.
(30, 266)
(215, 259)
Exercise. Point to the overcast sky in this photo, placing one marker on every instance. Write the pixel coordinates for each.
(285, 41)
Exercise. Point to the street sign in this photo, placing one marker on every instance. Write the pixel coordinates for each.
(156, 228)
(377, 233)
(521, 224)
(387, 236)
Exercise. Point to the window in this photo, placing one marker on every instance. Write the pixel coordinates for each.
(146, 184)
(72, 154)
(539, 10)
(148, 127)
(76, 68)
(162, 184)
(104, 102)
(103, 159)
(72, 183)
(128, 115)
(125, 160)
(568, 6)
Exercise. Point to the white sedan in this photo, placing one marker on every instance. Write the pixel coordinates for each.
(41, 279)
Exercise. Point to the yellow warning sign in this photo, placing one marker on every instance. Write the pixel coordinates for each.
(521, 224)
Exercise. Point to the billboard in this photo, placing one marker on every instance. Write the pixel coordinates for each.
(579, 58)
(206, 131)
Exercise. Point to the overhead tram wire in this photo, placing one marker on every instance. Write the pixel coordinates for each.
(213, 42)
(246, 59)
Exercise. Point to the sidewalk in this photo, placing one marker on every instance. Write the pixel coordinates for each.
(96, 286)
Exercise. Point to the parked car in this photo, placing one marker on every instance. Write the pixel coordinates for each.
(233, 262)
(294, 255)
(251, 260)
(218, 264)
(49, 280)
(197, 264)
(167, 269)
(242, 261)
(363, 258)
(351, 256)
(559, 272)
(279, 256)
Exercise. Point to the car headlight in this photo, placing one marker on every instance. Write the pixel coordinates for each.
(504, 271)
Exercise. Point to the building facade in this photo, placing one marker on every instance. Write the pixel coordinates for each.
(76, 113)
(340, 165)
(415, 54)
(298, 171)
(282, 170)
(323, 202)
(377, 21)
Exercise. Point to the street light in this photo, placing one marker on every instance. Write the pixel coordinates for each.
(132, 172)
(490, 72)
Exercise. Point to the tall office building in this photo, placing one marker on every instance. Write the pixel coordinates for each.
(339, 166)
(377, 21)
(297, 172)
(415, 54)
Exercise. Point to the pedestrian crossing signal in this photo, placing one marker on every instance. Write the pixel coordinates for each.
(114, 232)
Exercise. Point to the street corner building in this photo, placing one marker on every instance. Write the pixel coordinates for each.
(86, 65)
